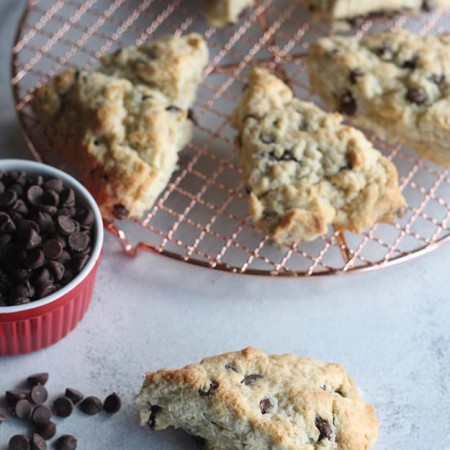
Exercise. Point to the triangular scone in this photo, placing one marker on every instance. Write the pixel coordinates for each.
(123, 139)
(253, 401)
(305, 170)
(341, 10)
(395, 84)
(172, 64)
(223, 12)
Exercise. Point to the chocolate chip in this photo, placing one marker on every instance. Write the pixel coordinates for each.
(78, 241)
(417, 95)
(55, 184)
(50, 198)
(120, 212)
(34, 195)
(56, 269)
(66, 442)
(266, 138)
(12, 397)
(250, 379)
(192, 117)
(42, 278)
(20, 207)
(67, 198)
(41, 415)
(230, 367)
(23, 409)
(324, 428)
(437, 79)
(354, 75)
(47, 431)
(37, 442)
(66, 225)
(6, 223)
(34, 259)
(112, 403)
(154, 410)
(86, 218)
(19, 442)
(266, 406)
(348, 104)
(173, 108)
(427, 5)
(7, 198)
(39, 394)
(212, 388)
(91, 405)
(32, 239)
(46, 290)
(385, 51)
(63, 407)
(52, 249)
(74, 395)
(410, 63)
(45, 221)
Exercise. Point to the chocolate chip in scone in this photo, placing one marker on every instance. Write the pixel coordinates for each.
(212, 388)
(112, 403)
(354, 75)
(192, 117)
(91, 405)
(250, 379)
(63, 407)
(266, 406)
(37, 442)
(19, 442)
(417, 95)
(39, 394)
(437, 79)
(12, 397)
(266, 138)
(120, 212)
(348, 105)
(74, 395)
(173, 108)
(325, 431)
(154, 410)
(23, 409)
(47, 431)
(385, 51)
(66, 442)
(427, 5)
(411, 63)
(41, 415)
(230, 366)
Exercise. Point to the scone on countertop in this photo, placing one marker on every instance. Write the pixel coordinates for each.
(248, 400)
(223, 12)
(305, 170)
(341, 10)
(395, 84)
(172, 64)
(122, 138)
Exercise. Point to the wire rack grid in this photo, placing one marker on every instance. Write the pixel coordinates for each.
(202, 216)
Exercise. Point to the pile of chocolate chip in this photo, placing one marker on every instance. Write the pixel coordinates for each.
(45, 236)
(30, 406)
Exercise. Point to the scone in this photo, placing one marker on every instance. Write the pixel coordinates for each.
(122, 139)
(253, 401)
(395, 84)
(341, 10)
(223, 12)
(172, 64)
(305, 170)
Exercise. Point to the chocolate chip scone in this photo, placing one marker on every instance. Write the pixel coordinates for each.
(123, 139)
(223, 12)
(341, 10)
(172, 64)
(305, 170)
(395, 84)
(253, 401)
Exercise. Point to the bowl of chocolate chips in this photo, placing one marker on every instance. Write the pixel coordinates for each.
(51, 237)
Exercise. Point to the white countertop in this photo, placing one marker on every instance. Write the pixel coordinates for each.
(389, 329)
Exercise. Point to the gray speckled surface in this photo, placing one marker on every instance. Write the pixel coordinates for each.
(389, 329)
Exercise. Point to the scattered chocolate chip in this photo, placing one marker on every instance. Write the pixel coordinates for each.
(229, 366)
(112, 403)
(348, 104)
(63, 407)
(66, 442)
(37, 378)
(78, 241)
(47, 431)
(91, 405)
(266, 406)
(37, 442)
(52, 249)
(154, 410)
(74, 395)
(23, 409)
(120, 212)
(41, 415)
(19, 442)
(212, 388)
(324, 428)
(38, 394)
(250, 379)
(417, 95)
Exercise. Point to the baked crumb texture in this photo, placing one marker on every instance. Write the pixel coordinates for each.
(253, 401)
(305, 170)
(122, 126)
(395, 84)
(220, 13)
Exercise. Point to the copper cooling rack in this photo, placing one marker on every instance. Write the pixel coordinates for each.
(202, 217)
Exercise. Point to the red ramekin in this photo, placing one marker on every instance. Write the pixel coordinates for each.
(36, 325)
